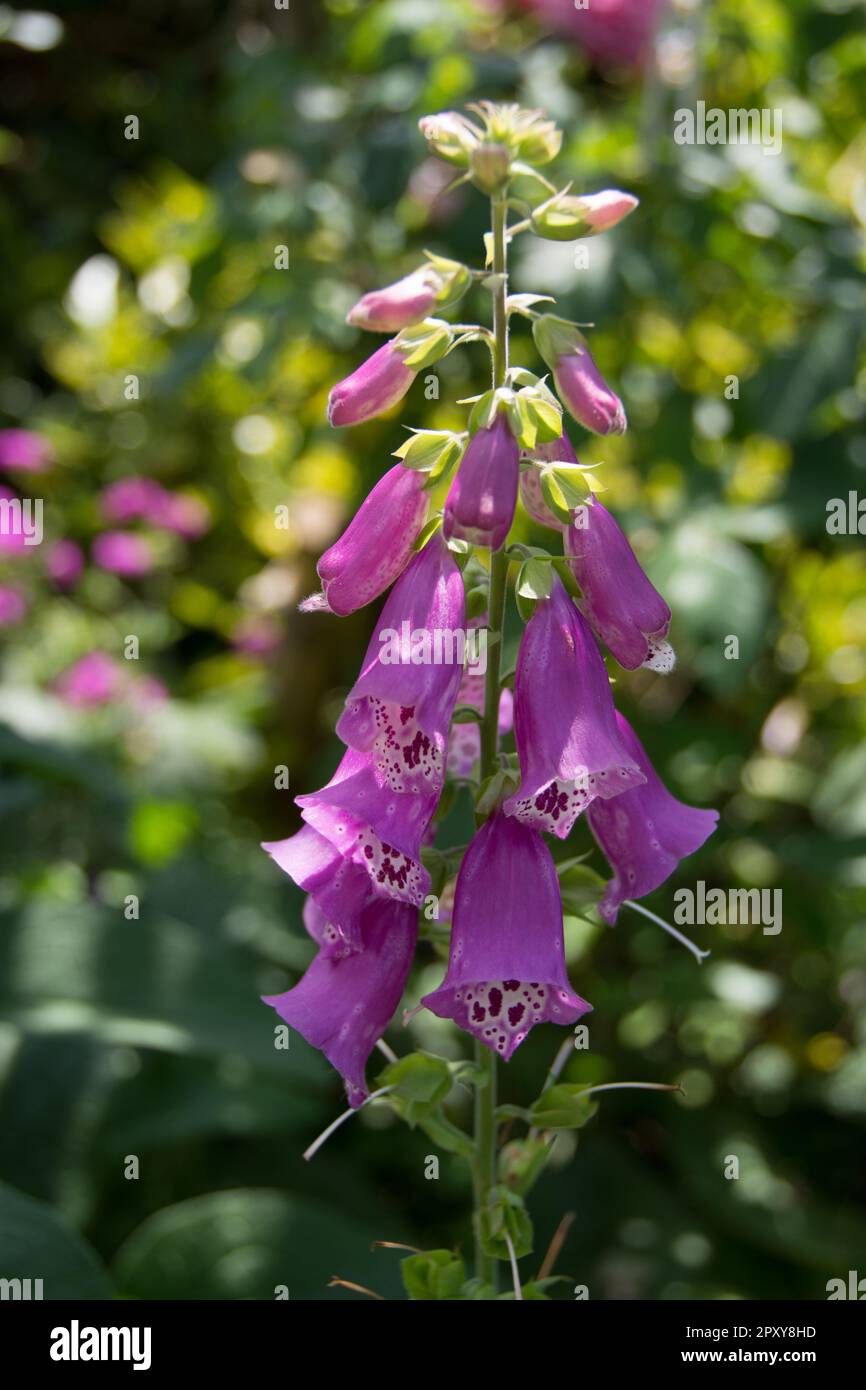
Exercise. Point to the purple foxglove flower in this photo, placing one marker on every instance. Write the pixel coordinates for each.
(587, 396)
(400, 711)
(557, 451)
(344, 1003)
(338, 889)
(481, 500)
(376, 546)
(506, 970)
(132, 499)
(618, 600)
(25, 451)
(564, 720)
(121, 552)
(645, 832)
(371, 389)
(367, 838)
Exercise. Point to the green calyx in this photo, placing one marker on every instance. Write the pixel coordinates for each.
(556, 338)
(422, 344)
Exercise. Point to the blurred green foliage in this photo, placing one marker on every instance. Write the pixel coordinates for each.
(155, 257)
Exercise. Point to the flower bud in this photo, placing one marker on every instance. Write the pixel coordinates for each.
(566, 218)
(438, 284)
(480, 504)
(450, 135)
(582, 389)
(374, 387)
(490, 166)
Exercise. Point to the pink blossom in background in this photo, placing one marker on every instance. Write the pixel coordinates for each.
(10, 540)
(143, 499)
(147, 690)
(94, 679)
(122, 553)
(65, 564)
(616, 33)
(25, 451)
(13, 606)
(256, 635)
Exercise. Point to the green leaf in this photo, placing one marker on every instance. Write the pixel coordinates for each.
(420, 1077)
(555, 497)
(35, 1243)
(521, 1163)
(247, 1243)
(534, 580)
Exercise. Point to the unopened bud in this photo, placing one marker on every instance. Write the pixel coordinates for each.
(566, 218)
(490, 166)
(450, 136)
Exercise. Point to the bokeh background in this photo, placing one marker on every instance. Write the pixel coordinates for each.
(148, 335)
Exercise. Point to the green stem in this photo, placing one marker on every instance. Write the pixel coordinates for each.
(484, 1167)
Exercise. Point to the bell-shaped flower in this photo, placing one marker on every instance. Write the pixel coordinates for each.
(564, 721)
(344, 1002)
(372, 827)
(620, 603)
(339, 889)
(581, 386)
(556, 451)
(506, 970)
(645, 832)
(400, 707)
(374, 387)
(375, 547)
(480, 504)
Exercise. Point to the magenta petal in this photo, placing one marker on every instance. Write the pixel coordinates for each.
(373, 388)
(338, 888)
(400, 711)
(481, 500)
(644, 833)
(569, 747)
(624, 609)
(377, 544)
(343, 1004)
(373, 827)
(506, 970)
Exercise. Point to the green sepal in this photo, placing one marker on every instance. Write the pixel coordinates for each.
(563, 1106)
(505, 1211)
(426, 532)
(429, 450)
(466, 714)
(419, 1084)
(580, 887)
(422, 344)
(521, 1163)
(554, 496)
(556, 337)
(534, 580)
(433, 1275)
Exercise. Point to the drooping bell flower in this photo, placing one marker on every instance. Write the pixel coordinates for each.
(564, 721)
(344, 1002)
(480, 504)
(374, 387)
(645, 832)
(556, 451)
(339, 888)
(367, 825)
(581, 386)
(436, 285)
(399, 709)
(506, 970)
(624, 609)
(376, 545)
